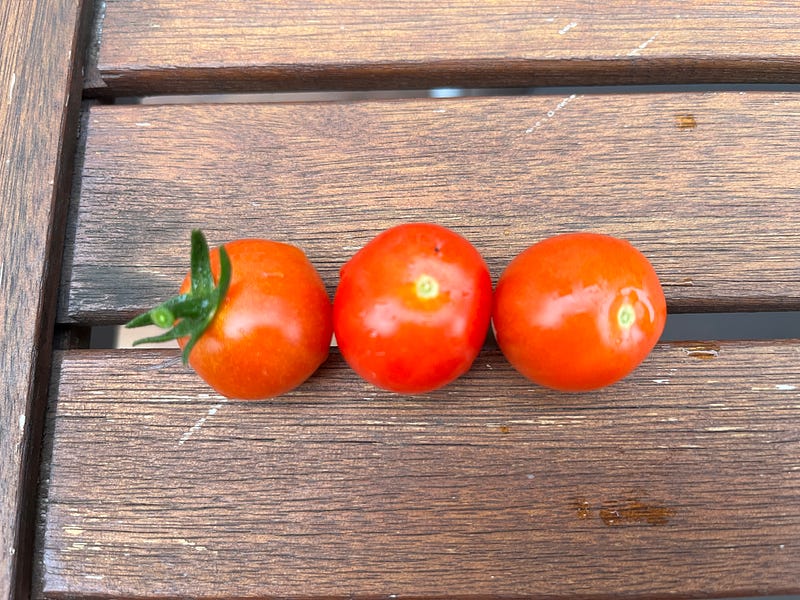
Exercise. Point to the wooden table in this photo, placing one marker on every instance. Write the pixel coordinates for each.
(684, 479)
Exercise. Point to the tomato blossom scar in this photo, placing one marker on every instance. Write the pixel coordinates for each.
(427, 287)
(626, 315)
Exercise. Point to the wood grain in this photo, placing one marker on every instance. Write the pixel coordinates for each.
(704, 184)
(178, 46)
(40, 44)
(681, 480)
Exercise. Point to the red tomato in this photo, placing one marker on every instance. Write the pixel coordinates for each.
(578, 311)
(412, 308)
(273, 328)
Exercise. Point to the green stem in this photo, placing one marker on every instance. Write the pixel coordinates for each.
(191, 313)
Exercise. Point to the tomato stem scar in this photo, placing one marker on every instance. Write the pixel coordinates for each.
(427, 287)
(626, 315)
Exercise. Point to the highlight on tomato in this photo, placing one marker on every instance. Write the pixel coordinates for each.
(412, 308)
(578, 311)
(252, 317)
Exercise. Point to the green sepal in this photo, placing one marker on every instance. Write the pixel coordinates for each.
(191, 313)
(182, 329)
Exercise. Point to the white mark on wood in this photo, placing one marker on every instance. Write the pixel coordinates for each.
(782, 546)
(143, 124)
(11, 85)
(785, 387)
(530, 476)
(661, 381)
(550, 19)
(73, 531)
(723, 429)
(200, 422)
(193, 545)
(95, 577)
(22, 423)
(552, 112)
(567, 27)
(440, 110)
(636, 51)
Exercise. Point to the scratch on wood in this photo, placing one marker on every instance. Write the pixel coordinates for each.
(643, 45)
(703, 351)
(567, 27)
(170, 362)
(11, 85)
(552, 112)
(200, 422)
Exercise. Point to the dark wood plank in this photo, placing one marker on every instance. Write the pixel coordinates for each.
(39, 44)
(682, 480)
(705, 184)
(157, 46)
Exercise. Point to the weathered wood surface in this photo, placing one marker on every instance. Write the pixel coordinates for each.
(683, 480)
(39, 43)
(156, 46)
(704, 184)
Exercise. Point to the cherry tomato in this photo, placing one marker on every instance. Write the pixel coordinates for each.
(262, 335)
(412, 308)
(578, 311)
(274, 327)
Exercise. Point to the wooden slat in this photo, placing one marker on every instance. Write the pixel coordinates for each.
(683, 479)
(156, 46)
(39, 42)
(704, 184)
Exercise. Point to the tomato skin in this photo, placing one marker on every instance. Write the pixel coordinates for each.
(578, 311)
(273, 328)
(412, 308)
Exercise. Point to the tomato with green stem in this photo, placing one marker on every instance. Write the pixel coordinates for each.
(579, 311)
(412, 308)
(252, 317)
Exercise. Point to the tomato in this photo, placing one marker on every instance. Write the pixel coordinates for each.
(271, 329)
(412, 308)
(578, 311)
